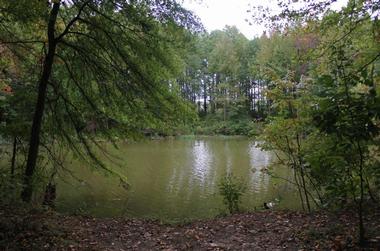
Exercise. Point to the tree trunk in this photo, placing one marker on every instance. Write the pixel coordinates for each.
(225, 105)
(298, 188)
(254, 98)
(212, 94)
(304, 188)
(50, 195)
(13, 161)
(205, 96)
(362, 237)
(34, 142)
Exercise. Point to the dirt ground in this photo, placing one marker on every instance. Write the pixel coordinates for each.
(262, 230)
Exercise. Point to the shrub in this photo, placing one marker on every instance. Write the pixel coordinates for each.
(231, 188)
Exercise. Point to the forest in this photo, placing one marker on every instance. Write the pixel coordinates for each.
(86, 83)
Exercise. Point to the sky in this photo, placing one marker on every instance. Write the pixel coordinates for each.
(216, 14)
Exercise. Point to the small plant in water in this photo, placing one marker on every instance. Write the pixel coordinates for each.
(231, 188)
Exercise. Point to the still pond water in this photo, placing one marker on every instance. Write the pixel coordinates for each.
(175, 179)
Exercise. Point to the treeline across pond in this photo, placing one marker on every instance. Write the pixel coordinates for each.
(73, 73)
(224, 80)
(222, 75)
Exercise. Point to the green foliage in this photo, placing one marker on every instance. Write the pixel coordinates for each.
(121, 71)
(213, 124)
(346, 113)
(220, 76)
(113, 69)
(325, 122)
(232, 189)
(242, 127)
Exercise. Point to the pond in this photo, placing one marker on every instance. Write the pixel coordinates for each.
(175, 180)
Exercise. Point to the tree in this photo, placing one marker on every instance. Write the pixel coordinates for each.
(342, 69)
(348, 105)
(289, 133)
(101, 59)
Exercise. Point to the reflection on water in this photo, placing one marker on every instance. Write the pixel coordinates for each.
(202, 160)
(175, 179)
(259, 161)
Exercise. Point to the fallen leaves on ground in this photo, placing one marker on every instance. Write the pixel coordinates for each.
(262, 230)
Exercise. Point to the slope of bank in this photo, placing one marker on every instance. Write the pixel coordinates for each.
(263, 230)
